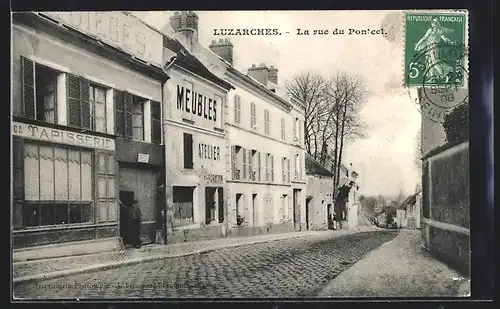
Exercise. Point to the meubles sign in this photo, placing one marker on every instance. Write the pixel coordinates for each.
(117, 29)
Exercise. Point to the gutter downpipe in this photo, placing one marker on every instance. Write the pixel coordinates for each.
(165, 69)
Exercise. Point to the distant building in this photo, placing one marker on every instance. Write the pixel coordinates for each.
(319, 200)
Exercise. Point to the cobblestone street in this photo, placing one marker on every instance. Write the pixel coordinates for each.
(288, 268)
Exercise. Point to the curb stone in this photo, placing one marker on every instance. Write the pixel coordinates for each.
(112, 265)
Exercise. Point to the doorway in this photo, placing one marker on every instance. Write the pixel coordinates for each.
(210, 204)
(329, 215)
(254, 209)
(126, 199)
(296, 209)
(143, 183)
(220, 193)
(239, 210)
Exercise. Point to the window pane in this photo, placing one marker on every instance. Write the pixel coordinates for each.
(87, 213)
(99, 124)
(101, 158)
(47, 213)
(92, 90)
(111, 187)
(61, 169)
(31, 173)
(111, 164)
(86, 183)
(101, 187)
(137, 120)
(137, 134)
(46, 173)
(102, 211)
(74, 175)
(100, 95)
(61, 213)
(75, 213)
(31, 215)
(112, 210)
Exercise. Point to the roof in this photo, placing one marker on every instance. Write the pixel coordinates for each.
(188, 61)
(410, 200)
(313, 167)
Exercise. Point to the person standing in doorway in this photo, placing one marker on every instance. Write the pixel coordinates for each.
(136, 225)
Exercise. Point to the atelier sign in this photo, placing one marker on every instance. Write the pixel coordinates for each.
(196, 103)
(210, 152)
(61, 136)
(214, 179)
(143, 158)
(117, 29)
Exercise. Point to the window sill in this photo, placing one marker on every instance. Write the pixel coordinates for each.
(62, 227)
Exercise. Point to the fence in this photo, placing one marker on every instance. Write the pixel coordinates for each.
(446, 205)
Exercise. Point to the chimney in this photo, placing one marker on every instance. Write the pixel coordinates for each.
(186, 24)
(260, 73)
(223, 48)
(273, 75)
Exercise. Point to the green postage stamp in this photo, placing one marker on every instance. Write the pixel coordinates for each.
(435, 49)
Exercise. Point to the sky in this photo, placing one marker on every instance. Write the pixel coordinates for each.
(385, 157)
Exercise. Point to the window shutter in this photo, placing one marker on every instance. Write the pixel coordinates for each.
(233, 161)
(119, 112)
(250, 165)
(300, 132)
(74, 97)
(85, 102)
(259, 167)
(244, 172)
(188, 150)
(28, 80)
(288, 169)
(272, 168)
(295, 130)
(236, 108)
(128, 100)
(156, 122)
(283, 170)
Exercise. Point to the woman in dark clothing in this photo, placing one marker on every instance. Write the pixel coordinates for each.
(136, 225)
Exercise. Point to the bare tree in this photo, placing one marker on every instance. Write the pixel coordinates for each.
(310, 88)
(332, 114)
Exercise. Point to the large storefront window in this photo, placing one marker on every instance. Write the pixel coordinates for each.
(106, 188)
(58, 185)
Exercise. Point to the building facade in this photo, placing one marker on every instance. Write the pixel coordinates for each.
(83, 109)
(196, 147)
(319, 200)
(264, 155)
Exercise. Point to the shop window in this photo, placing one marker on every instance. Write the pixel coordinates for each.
(57, 185)
(106, 188)
(183, 205)
(188, 150)
(39, 87)
(98, 108)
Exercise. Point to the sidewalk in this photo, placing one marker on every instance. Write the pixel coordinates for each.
(60, 267)
(399, 268)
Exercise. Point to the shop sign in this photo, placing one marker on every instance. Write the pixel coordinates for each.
(214, 179)
(143, 158)
(198, 104)
(117, 29)
(59, 136)
(209, 152)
